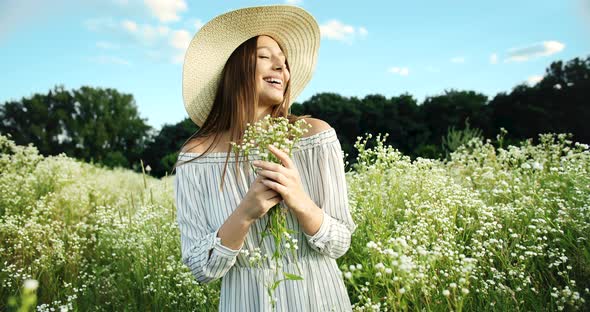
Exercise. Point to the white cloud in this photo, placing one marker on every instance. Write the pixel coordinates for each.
(294, 2)
(193, 23)
(159, 42)
(166, 10)
(494, 58)
(180, 39)
(146, 34)
(106, 45)
(178, 58)
(198, 24)
(458, 59)
(526, 53)
(128, 32)
(105, 59)
(402, 71)
(130, 26)
(335, 30)
(532, 80)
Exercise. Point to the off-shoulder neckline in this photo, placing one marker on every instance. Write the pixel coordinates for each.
(302, 144)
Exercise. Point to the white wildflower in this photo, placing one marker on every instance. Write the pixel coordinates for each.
(31, 284)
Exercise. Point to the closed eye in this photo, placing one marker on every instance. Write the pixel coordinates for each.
(264, 56)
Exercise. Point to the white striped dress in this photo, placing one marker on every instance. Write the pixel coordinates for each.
(202, 209)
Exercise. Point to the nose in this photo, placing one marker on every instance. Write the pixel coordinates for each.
(278, 64)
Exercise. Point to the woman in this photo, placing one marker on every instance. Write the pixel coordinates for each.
(239, 67)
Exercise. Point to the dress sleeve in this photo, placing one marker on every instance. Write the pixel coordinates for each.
(331, 192)
(201, 249)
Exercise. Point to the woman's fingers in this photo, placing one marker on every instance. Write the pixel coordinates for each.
(282, 156)
(270, 194)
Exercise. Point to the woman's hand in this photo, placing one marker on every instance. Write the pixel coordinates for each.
(258, 200)
(284, 179)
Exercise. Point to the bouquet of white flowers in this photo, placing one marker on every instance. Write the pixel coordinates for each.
(257, 137)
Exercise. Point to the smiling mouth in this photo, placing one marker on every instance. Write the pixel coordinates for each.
(277, 86)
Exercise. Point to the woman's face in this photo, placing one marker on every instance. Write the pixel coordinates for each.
(272, 74)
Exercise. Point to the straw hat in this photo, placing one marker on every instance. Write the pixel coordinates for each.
(294, 29)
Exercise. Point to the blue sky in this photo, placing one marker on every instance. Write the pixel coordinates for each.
(367, 47)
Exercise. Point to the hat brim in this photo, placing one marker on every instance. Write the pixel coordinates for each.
(292, 27)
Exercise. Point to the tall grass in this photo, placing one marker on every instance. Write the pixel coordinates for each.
(502, 229)
(95, 239)
(492, 228)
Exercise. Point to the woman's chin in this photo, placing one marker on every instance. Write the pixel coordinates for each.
(272, 101)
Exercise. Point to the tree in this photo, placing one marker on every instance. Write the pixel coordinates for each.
(406, 131)
(106, 123)
(40, 120)
(93, 124)
(161, 151)
(558, 103)
(340, 112)
(451, 109)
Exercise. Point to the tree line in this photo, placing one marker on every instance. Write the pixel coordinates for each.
(103, 126)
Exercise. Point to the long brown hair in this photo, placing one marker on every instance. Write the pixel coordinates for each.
(235, 102)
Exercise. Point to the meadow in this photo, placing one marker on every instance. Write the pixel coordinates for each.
(492, 228)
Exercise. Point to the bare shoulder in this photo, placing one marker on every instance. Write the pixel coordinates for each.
(317, 126)
(197, 145)
(200, 144)
(193, 146)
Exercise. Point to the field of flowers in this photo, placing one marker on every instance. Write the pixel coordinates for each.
(503, 229)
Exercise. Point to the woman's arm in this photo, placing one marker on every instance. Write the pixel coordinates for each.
(201, 246)
(327, 223)
(326, 234)
(310, 218)
(234, 229)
